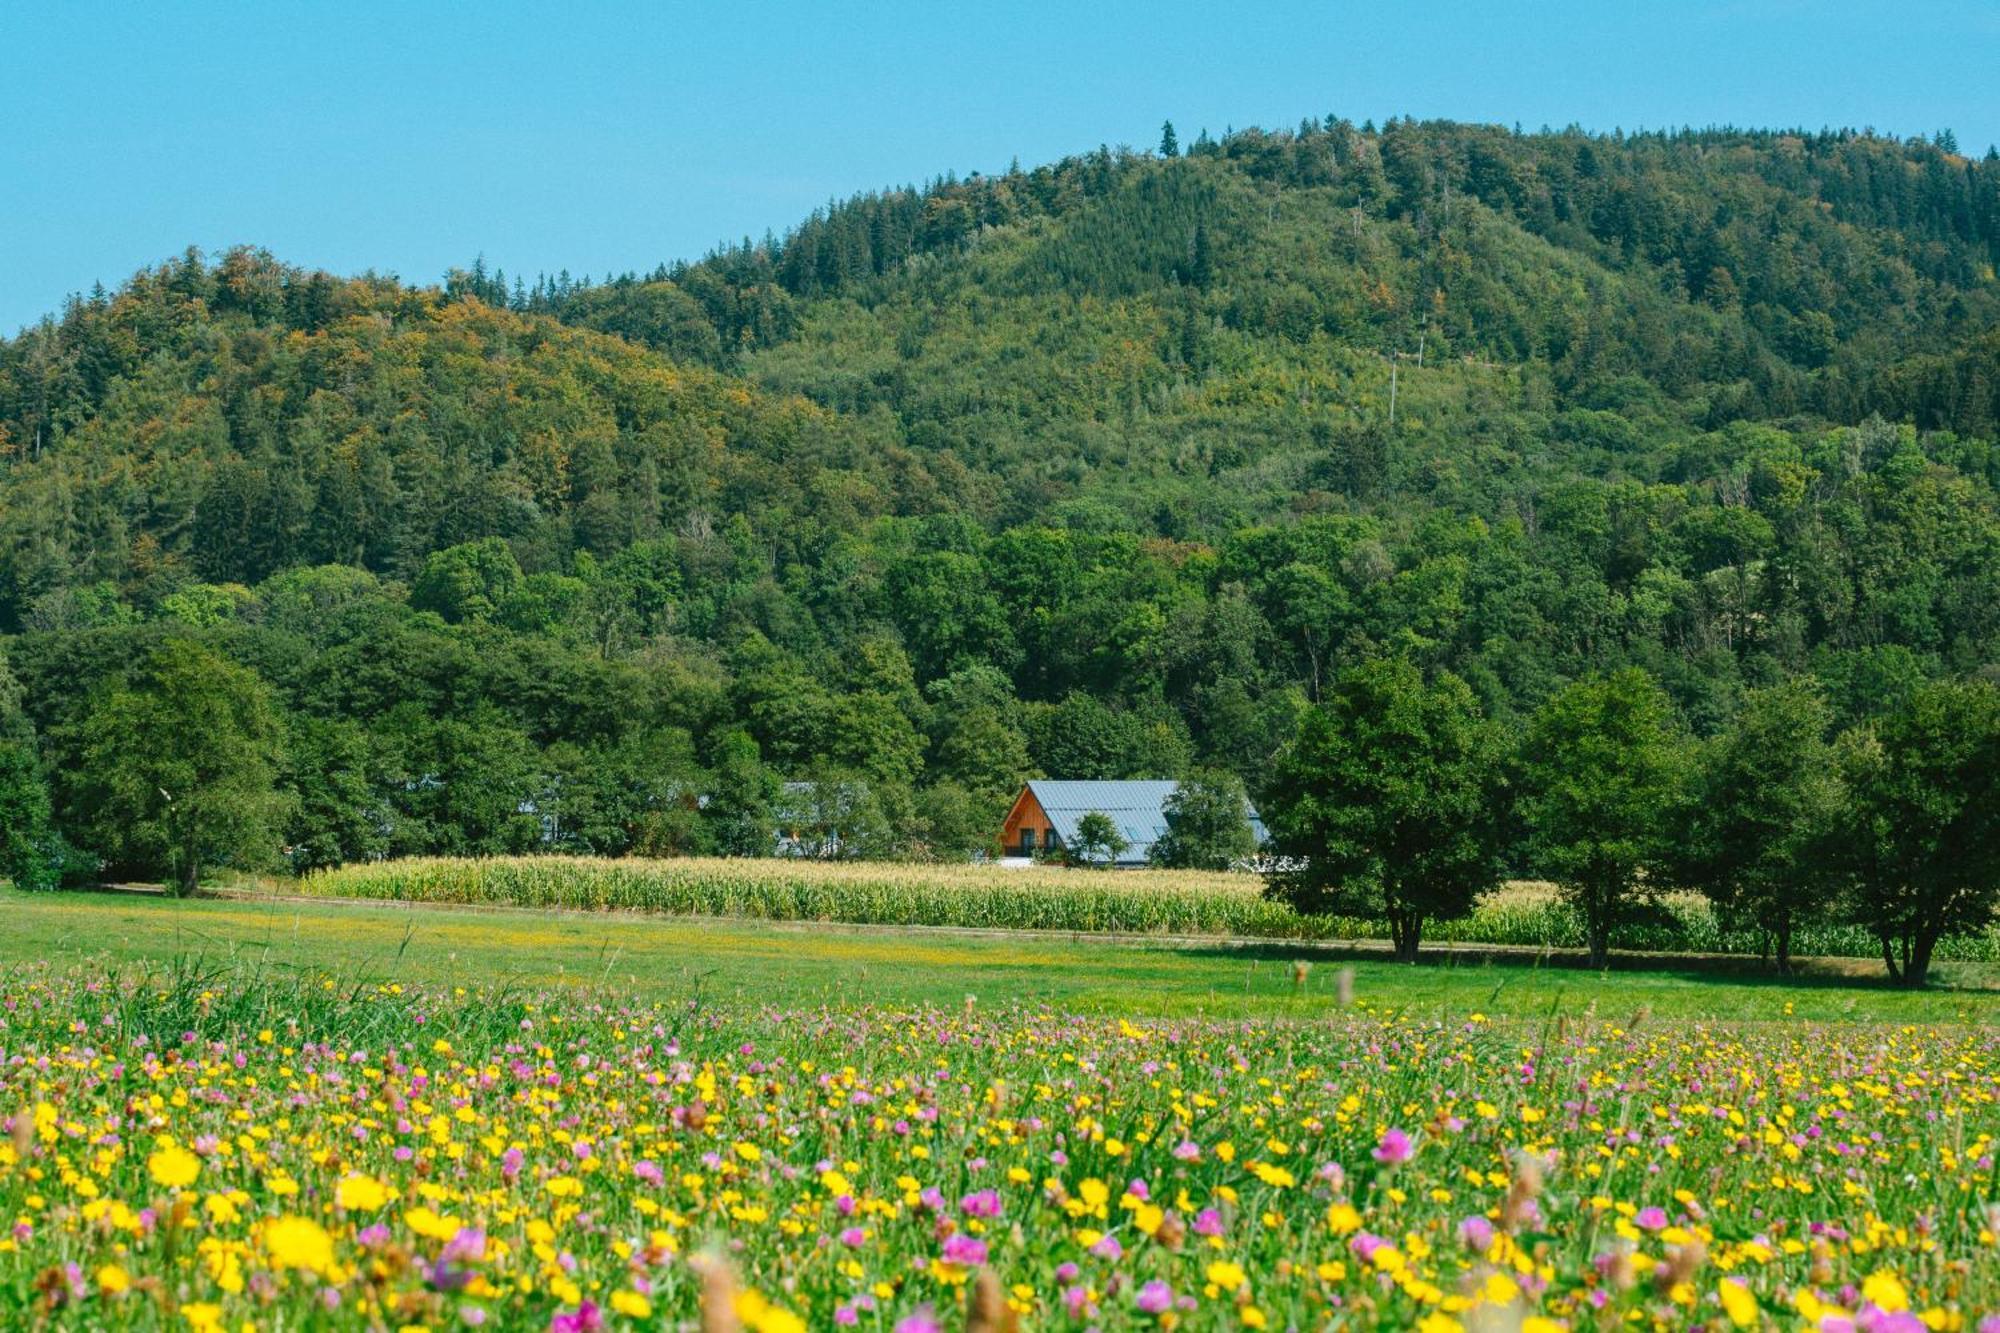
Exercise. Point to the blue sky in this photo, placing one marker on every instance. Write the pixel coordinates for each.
(592, 136)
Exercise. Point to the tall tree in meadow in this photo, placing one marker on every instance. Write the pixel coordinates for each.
(1595, 777)
(1760, 806)
(1919, 846)
(1384, 803)
(180, 760)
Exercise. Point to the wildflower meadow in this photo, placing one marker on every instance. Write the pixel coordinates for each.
(229, 1151)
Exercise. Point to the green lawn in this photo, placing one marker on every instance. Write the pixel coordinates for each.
(807, 964)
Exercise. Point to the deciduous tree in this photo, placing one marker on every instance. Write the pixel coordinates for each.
(1595, 777)
(1384, 803)
(1919, 847)
(1207, 827)
(180, 761)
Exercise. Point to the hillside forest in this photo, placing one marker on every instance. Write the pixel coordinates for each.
(1119, 466)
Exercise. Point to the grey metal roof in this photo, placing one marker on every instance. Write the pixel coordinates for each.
(1135, 806)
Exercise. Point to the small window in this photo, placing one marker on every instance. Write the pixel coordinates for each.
(1048, 839)
(1027, 841)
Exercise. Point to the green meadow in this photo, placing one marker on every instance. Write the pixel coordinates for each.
(814, 963)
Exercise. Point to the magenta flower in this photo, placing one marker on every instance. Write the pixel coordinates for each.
(649, 1171)
(984, 1203)
(585, 1319)
(1652, 1219)
(853, 1237)
(1107, 1247)
(1394, 1149)
(1476, 1233)
(1156, 1297)
(1187, 1150)
(923, 1321)
(1873, 1319)
(466, 1246)
(963, 1249)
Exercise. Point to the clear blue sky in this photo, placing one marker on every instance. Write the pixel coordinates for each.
(410, 137)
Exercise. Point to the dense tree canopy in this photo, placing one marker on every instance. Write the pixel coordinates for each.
(1386, 804)
(1086, 469)
(1597, 774)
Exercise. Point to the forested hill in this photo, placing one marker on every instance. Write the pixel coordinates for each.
(1088, 469)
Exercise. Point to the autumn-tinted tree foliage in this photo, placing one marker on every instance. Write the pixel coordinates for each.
(1087, 469)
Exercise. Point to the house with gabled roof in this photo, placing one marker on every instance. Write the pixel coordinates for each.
(1043, 818)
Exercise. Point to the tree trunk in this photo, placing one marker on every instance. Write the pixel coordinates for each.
(1917, 969)
(1597, 926)
(1406, 930)
(188, 868)
(1783, 935)
(1889, 960)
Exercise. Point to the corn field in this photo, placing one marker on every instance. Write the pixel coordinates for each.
(1158, 902)
(1141, 901)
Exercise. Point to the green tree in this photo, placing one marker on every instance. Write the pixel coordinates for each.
(974, 742)
(833, 817)
(339, 813)
(1383, 804)
(470, 581)
(1098, 841)
(29, 851)
(180, 763)
(1919, 847)
(1764, 799)
(1596, 775)
(1170, 144)
(1207, 824)
(741, 797)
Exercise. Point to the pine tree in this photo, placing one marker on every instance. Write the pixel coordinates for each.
(1170, 146)
(1201, 267)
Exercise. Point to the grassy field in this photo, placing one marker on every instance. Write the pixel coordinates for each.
(1167, 902)
(223, 1115)
(793, 964)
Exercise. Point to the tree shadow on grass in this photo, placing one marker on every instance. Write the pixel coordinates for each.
(1808, 973)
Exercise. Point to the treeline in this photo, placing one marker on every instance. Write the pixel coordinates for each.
(1114, 467)
(1400, 800)
(1838, 272)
